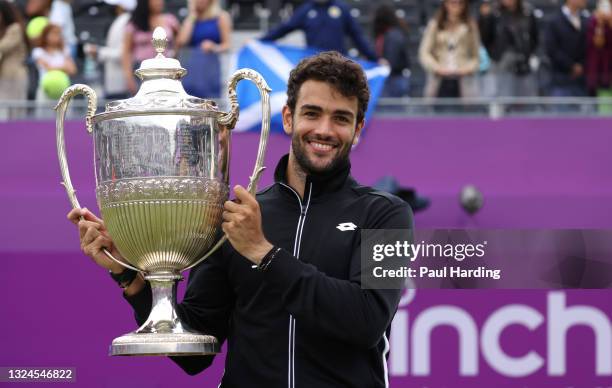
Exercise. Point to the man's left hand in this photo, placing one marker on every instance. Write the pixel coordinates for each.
(242, 225)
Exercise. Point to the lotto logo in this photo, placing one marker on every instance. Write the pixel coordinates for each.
(346, 226)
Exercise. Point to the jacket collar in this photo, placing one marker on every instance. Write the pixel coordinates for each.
(321, 183)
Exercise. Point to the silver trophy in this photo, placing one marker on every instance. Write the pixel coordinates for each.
(162, 174)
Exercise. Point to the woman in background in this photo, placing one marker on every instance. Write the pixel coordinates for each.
(137, 46)
(13, 53)
(449, 52)
(391, 44)
(206, 32)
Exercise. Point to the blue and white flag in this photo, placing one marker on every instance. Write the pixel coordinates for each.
(274, 63)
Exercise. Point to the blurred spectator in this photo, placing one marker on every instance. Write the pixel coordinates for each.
(206, 32)
(449, 52)
(115, 85)
(566, 48)
(51, 55)
(391, 44)
(599, 50)
(509, 32)
(13, 53)
(325, 24)
(61, 15)
(137, 46)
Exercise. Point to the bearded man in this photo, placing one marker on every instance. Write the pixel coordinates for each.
(285, 290)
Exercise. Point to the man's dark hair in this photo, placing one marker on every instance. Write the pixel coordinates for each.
(331, 67)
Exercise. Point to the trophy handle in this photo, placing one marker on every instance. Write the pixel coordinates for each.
(61, 108)
(230, 118)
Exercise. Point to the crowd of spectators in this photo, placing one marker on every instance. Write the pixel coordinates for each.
(481, 48)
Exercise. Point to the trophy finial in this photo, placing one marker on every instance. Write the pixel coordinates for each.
(160, 40)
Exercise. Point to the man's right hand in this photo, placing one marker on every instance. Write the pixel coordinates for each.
(94, 237)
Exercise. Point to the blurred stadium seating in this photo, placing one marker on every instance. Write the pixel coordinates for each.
(252, 17)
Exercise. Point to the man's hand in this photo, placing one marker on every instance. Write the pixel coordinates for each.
(242, 225)
(94, 237)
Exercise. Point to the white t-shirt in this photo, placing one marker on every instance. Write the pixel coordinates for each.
(54, 58)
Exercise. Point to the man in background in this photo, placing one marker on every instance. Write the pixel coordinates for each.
(325, 23)
(565, 41)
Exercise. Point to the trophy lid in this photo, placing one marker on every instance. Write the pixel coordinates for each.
(161, 90)
(160, 66)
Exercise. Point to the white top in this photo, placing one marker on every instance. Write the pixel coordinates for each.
(61, 15)
(55, 58)
(114, 80)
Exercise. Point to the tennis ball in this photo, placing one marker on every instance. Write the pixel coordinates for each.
(36, 26)
(54, 83)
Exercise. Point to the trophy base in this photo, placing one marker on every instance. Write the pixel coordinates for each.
(164, 344)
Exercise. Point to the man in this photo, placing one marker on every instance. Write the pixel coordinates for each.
(302, 319)
(325, 24)
(566, 48)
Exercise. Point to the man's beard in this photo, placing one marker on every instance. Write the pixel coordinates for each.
(299, 151)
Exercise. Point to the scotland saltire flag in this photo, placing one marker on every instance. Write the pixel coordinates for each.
(274, 62)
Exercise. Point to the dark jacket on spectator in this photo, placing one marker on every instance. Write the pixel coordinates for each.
(566, 46)
(503, 31)
(394, 50)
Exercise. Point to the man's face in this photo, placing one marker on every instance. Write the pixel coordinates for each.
(323, 127)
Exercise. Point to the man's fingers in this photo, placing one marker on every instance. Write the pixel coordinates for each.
(227, 216)
(90, 235)
(74, 216)
(89, 216)
(233, 217)
(231, 206)
(226, 227)
(244, 196)
(84, 226)
(94, 250)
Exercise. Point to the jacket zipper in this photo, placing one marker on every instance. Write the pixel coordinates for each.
(296, 253)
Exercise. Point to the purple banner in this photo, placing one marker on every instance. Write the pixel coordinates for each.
(62, 311)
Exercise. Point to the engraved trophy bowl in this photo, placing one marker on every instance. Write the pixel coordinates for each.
(162, 175)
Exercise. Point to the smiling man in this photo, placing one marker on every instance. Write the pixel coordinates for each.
(285, 291)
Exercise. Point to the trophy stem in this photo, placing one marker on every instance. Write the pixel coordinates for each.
(163, 318)
(163, 333)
